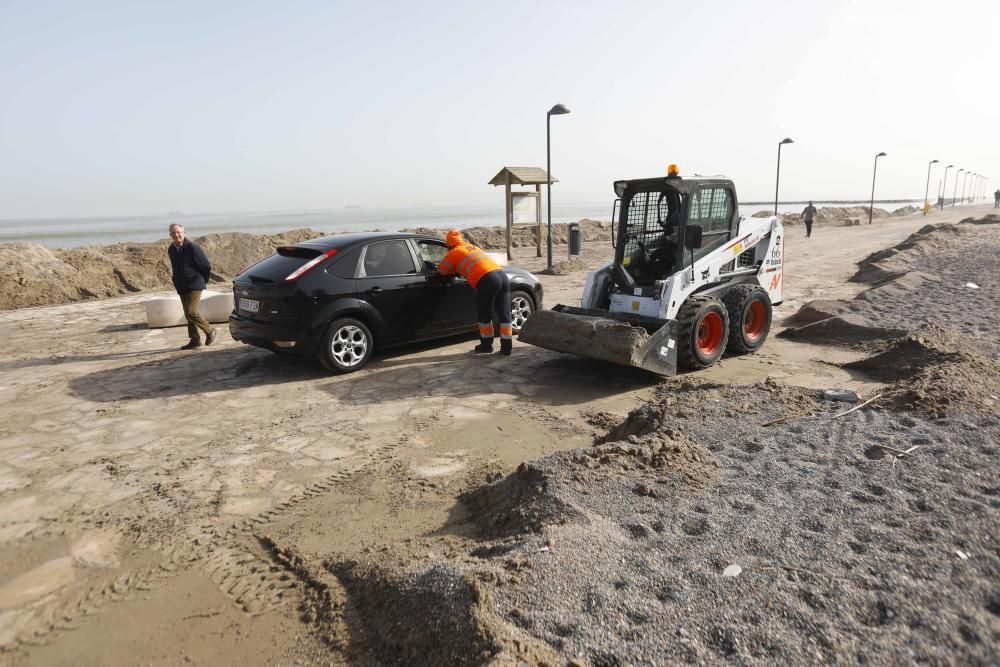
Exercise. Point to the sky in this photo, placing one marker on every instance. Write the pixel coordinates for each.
(130, 108)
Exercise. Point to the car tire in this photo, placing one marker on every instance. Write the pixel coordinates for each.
(522, 305)
(347, 345)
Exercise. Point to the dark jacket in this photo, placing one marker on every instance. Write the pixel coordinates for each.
(189, 266)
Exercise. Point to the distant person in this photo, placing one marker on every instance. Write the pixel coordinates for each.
(492, 289)
(927, 207)
(996, 199)
(808, 213)
(190, 269)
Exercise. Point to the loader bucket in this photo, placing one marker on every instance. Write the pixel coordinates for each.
(587, 333)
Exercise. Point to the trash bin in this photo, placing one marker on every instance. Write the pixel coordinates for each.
(575, 238)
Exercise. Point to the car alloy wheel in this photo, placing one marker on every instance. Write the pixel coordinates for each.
(521, 306)
(347, 346)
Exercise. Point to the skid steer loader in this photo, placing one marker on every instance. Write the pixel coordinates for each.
(690, 279)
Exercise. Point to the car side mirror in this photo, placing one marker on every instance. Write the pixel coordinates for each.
(692, 237)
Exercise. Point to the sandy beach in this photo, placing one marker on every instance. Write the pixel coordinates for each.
(230, 506)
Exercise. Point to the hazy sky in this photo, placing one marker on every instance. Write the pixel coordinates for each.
(115, 108)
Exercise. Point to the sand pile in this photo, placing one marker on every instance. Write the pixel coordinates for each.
(926, 243)
(850, 326)
(934, 371)
(32, 275)
(433, 617)
(519, 503)
(838, 214)
(641, 452)
(524, 236)
(566, 267)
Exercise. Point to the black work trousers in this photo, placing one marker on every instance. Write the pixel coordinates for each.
(493, 297)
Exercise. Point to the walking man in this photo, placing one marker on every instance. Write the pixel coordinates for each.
(492, 290)
(190, 270)
(808, 213)
(996, 199)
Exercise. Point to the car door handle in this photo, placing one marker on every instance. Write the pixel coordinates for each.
(375, 290)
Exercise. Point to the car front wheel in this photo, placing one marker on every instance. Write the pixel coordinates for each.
(521, 305)
(347, 345)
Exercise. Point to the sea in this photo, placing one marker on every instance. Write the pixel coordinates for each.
(76, 232)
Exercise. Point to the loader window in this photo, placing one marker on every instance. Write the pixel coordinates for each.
(649, 244)
(712, 208)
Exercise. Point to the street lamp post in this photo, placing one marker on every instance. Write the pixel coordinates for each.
(954, 191)
(777, 175)
(871, 208)
(557, 110)
(965, 186)
(927, 188)
(964, 181)
(944, 185)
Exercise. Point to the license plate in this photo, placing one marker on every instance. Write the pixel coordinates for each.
(249, 305)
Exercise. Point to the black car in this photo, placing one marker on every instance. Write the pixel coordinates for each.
(340, 297)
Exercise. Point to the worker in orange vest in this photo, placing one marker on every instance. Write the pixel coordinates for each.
(491, 285)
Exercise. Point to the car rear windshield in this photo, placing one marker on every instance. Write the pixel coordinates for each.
(280, 265)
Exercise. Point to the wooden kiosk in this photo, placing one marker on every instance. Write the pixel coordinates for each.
(517, 199)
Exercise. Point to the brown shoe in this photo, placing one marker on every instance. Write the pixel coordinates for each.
(195, 343)
(210, 338)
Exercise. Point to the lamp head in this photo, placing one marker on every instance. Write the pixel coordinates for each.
(786, 140)
(881, 155)
(558, 110)
(933, 162)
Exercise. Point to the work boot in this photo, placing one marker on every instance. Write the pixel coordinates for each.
(194, 343)
(485, 346)
(506, 346)
(210, 338)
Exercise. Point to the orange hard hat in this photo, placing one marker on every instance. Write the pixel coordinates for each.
(454, 238)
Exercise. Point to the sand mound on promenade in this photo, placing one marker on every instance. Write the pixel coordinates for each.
(909, 255)
(493, 238)
(838, 214)
(935, 356)
(566, 267)
(32, 275)
(934, 371)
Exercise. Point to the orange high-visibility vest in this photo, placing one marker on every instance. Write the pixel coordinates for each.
(468, 261)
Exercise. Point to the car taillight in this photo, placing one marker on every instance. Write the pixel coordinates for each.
(308, 266)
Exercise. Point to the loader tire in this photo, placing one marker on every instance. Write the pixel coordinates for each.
(702, 331)
(749, 309)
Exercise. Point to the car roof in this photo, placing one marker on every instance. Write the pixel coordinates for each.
(346, 240)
